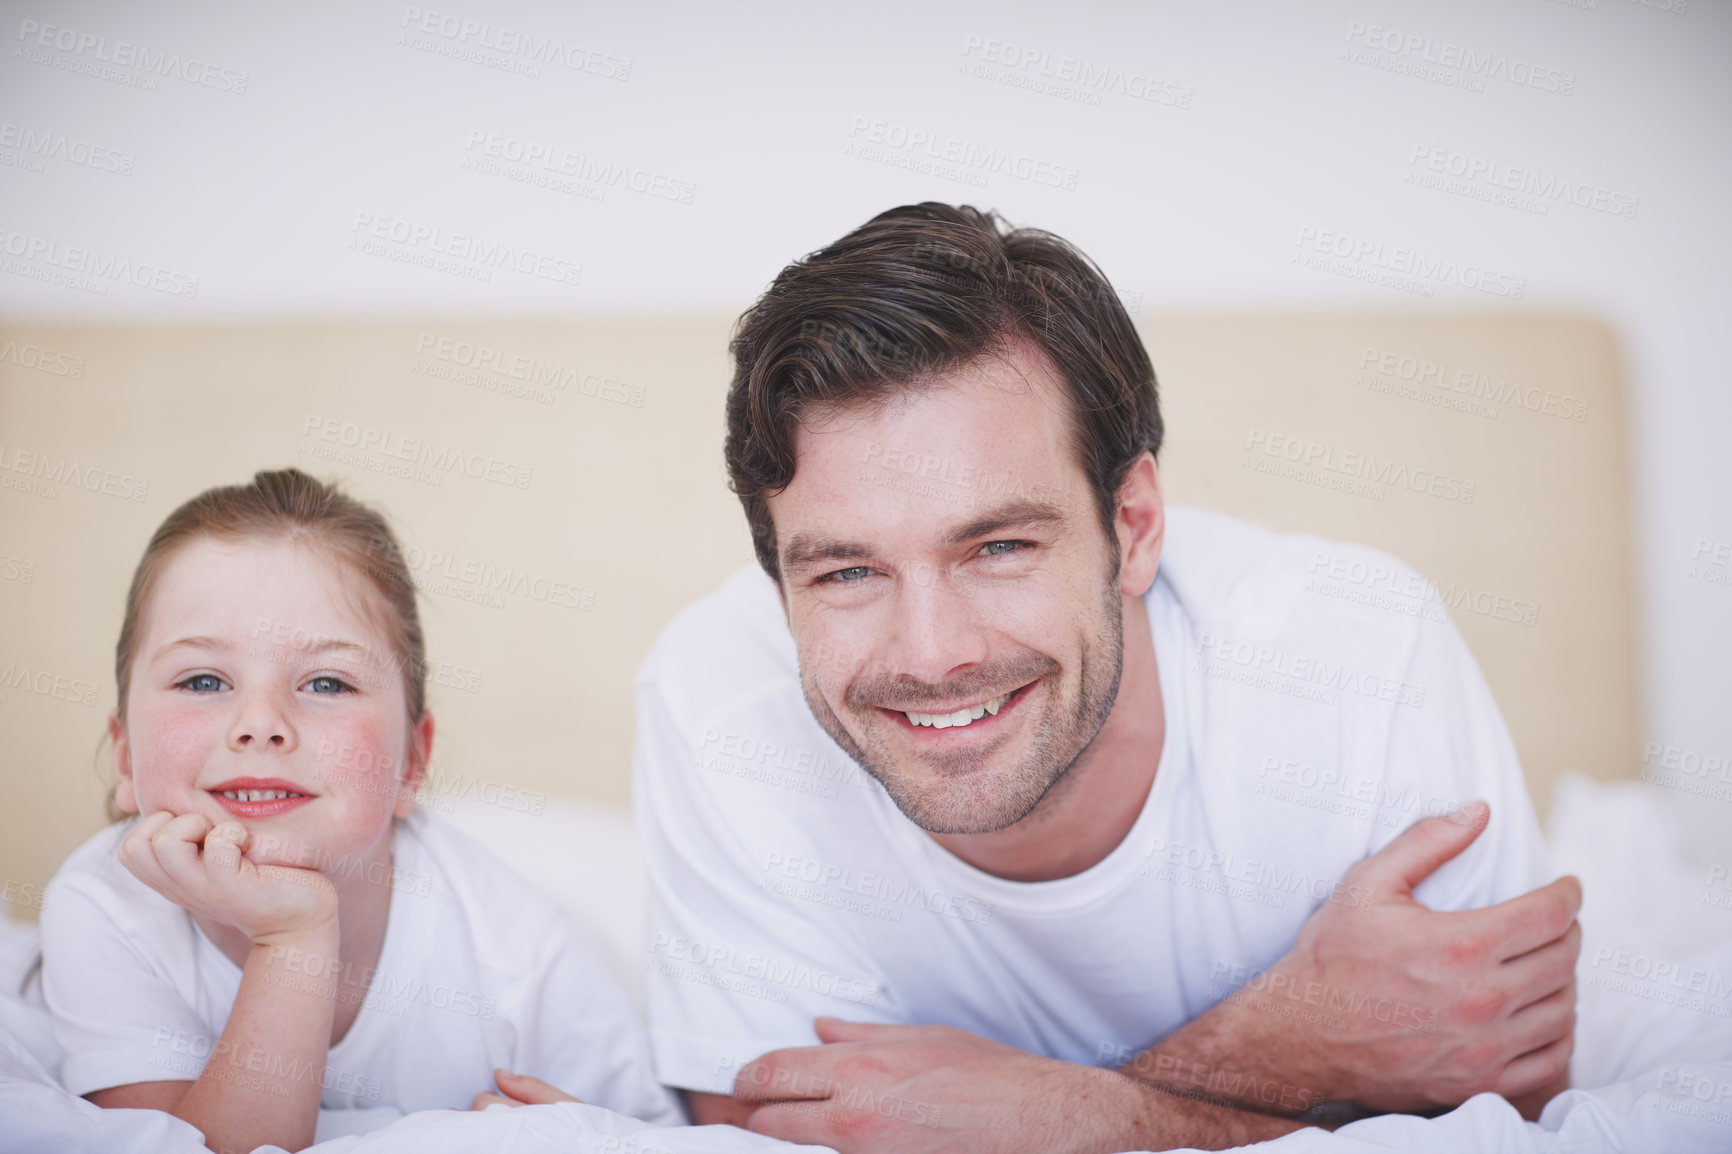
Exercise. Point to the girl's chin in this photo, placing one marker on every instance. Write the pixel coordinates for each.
(337, 862)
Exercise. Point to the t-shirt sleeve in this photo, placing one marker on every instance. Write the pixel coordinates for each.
(1452, 748)
(731, 970)
(577, 1030)
(118, 1016)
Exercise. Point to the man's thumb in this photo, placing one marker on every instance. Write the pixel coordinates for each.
(1422, 847)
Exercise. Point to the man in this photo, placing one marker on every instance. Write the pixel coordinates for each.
(1126, 867)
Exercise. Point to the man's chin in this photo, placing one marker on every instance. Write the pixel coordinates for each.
(954, 817)
(957, 800)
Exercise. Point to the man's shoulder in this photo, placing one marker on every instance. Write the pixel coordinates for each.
(724, 725)
(731, 643)
(1228, 572)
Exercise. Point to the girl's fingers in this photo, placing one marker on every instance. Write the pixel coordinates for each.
(137, 842)
(222, 850)
(177, 848)
(149, 824)
(487, 1098)
(139, 856)
(190, 828)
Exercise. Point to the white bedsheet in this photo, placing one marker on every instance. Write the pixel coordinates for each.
(1663, 1070)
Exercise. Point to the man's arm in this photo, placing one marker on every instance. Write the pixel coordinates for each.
(1423, 1009)
(885, 1089)
(1394, 1007)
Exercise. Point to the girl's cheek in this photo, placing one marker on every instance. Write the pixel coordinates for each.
(169, 745)
(361, 759)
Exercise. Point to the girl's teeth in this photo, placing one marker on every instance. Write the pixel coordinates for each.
(960, 717)
(258, 794)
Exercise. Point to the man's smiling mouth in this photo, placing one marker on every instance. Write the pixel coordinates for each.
(967, 715)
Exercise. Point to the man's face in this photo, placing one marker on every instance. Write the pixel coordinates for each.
(951, 592)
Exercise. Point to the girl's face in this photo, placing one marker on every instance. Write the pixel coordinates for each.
(263, 690)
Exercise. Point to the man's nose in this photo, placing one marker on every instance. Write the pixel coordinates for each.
(262, 722)
(936, 628)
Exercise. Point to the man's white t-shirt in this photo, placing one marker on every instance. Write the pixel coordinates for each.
(1304, 730)
(477, 971)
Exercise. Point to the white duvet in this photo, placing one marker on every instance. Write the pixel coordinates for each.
(1658, 1053)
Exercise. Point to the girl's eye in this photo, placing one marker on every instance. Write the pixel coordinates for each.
(328, 685)
(202, 683)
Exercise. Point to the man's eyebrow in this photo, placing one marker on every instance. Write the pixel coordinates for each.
(1014, 515)
(807, 549)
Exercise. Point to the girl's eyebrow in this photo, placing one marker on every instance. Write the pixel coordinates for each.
(327, 644)
(354, 649)
(193, 643)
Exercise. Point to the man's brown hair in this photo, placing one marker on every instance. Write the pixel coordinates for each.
(916, 292)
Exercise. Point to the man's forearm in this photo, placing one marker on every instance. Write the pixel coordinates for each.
(1158, 1117)
(1037, 1104)
(1228, 1055)
(1384, 1005)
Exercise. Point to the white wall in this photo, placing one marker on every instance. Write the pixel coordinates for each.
(752, 130)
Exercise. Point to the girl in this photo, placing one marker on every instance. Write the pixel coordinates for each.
(281, 947)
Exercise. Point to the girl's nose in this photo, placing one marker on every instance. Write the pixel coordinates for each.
(261, 724)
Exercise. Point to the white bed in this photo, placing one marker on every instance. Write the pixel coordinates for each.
(1655, 1054)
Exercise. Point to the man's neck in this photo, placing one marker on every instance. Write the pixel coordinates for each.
(1092, 808)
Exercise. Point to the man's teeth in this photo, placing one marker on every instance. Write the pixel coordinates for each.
(258, 794)
(961, 716)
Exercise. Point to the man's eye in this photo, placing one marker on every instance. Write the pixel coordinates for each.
(202, 683)
(329, 685)
(999, 548)
(847, 576)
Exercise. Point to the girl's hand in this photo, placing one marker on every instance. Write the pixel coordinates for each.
(519, 1090)
(200, 868)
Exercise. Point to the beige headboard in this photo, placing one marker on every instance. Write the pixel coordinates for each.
(560, 489)
(1489, 452)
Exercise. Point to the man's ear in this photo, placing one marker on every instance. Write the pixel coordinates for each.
(125, 796)
(1140, 521)
(420, 751)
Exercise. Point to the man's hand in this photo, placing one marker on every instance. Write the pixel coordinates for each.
(519, 1090)
(1396, 1007)
(907, 1089)
(203, 869)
